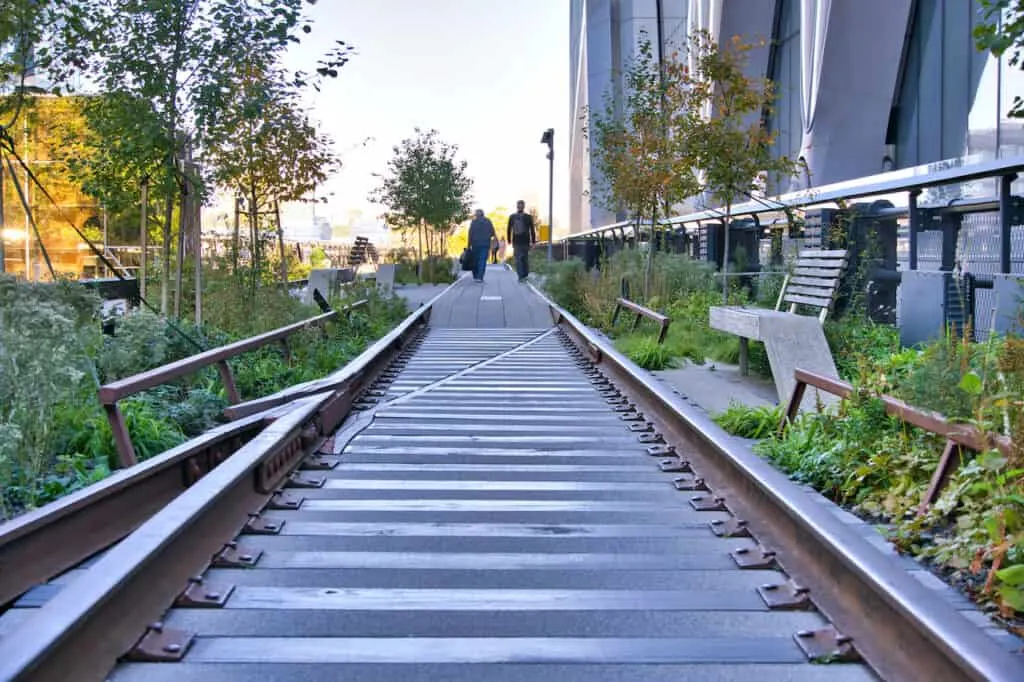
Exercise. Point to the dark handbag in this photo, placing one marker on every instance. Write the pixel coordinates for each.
(466, 259)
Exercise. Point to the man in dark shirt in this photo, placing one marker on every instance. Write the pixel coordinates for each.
(522, 234)
(481, 232)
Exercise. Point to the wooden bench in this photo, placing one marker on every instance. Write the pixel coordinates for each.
(641, 312)
(791, 339)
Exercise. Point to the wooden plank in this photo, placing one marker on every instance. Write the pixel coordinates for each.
(808, 300)
(818, 272)
(640, 310)
(819, 292)
(819, 253)
(829, 282)
(820, 263)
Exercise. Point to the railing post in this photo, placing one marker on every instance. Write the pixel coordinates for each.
(228, 379)
(664, 332)
(123, 441)
(794, 405)
(947, 463)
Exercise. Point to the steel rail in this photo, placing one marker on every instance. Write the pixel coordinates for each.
(40, 544)
(145, 500)
(898, 626)
(903, 630)
(137, 578)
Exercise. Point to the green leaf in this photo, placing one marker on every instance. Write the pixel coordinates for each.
(971, 384)
(1014, 575)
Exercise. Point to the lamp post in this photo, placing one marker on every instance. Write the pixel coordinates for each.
(548, 138)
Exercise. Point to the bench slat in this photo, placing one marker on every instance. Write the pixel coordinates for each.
(818, 272)
(816, 253)
(820, 263)
(815, 301)
(820, 292)
(829, 282)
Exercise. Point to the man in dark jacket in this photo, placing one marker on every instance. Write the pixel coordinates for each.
(481, 232)
(522, 234)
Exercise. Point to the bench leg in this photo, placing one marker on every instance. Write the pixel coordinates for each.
(744, 356)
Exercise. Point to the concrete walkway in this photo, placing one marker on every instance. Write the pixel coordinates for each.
(500, 302)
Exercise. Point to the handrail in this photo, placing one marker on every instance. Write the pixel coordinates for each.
(111, 393)
(905, 180)
(663, 320)
(957, 436)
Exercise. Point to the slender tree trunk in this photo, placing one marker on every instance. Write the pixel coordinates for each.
(165, 256)
(280, 246)
(234, 242)
(197, 232)
(143, 235)
(3, 256)
(725, 254)
(649, 267)
(419, 253)
(254, 228)
(180, 261)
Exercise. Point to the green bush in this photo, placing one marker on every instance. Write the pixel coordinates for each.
(54, 436)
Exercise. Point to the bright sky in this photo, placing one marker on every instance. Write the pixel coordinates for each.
(489, 75)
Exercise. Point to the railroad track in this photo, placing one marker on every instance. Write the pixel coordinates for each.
(469, 504)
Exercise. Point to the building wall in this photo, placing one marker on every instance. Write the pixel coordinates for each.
(863, 86)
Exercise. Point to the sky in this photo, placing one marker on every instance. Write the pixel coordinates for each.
(489, 75)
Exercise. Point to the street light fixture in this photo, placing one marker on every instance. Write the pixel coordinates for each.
(548, 138)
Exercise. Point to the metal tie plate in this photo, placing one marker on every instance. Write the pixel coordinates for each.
(754, 558)
(826, 645)
(787, 596)
(201, 594)
(731, 528)
(690, 482)
(298, 480)
(233, 556)
(161, 645)
(708, 503)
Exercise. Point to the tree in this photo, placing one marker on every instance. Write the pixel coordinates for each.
(166, 68)
(645, 149)
(425, 187)
(733, 146)
(264, 149)
(1000, 29)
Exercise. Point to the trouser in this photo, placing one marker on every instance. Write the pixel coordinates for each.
(522, 260)
(480, 260)
(494, 256)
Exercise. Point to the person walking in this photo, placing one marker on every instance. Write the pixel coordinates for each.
(494, 250)
(522, 233)
(481, 232)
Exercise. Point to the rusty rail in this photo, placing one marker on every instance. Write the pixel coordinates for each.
(44, 542)
(111, 393)
(219, 501)
(663, 321)
(890, 619)
(958, 437)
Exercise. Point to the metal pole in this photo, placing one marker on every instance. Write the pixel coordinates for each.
(195, 214)
(551, 197)
(143, 236)
(1005, 221)
(3, 255)
(28, 217)
(106, 273)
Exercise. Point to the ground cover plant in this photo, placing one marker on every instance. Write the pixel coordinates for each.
(54, 436)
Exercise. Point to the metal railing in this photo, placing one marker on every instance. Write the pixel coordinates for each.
(111, 393)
